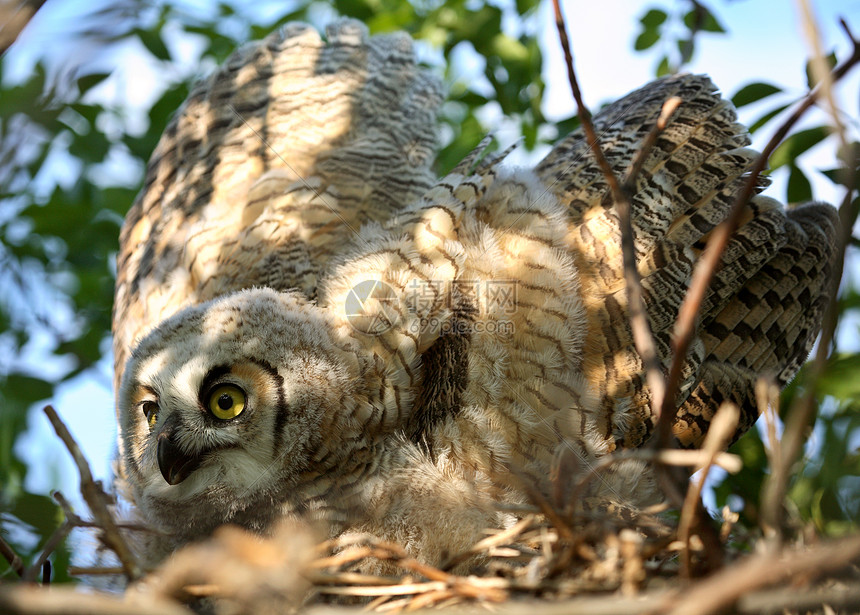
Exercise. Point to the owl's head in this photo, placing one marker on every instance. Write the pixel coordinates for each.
(230, 410)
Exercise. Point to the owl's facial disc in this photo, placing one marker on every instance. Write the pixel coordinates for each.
(231, 406)
(224, 402)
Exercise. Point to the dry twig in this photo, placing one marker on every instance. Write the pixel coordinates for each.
(95, 498)
(724, 588)
(719, 434)
(621, 193)
(22, 599)
(10, 556)
(803, 409)
(690, 458)
(14, 17)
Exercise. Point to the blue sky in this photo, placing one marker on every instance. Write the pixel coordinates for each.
(765, 43)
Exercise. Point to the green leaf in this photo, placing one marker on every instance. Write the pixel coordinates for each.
(153, 43)
(799, 189)
(469, 134)
(664, 68)
(27, 389)
(838, 176)
(753, 92)
(686, 47)
(218, 45)
(840, 377)
(529, 130)
(524, 6)
(159, 116)
(646, 39)
(701, 19)
(87, 82)
(509, 49)
(766, 118)
(473, 99)
(653, 18)
(357, 9)
(91, 148)
(26, 97)
(811, 81)
(796, 144)
(565, 127)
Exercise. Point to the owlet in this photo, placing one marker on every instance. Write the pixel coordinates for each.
(309, 322)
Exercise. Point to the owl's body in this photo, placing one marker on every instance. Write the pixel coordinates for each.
(319, 327)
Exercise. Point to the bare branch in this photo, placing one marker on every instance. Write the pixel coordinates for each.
(723, 589)
(690, 458)
(669, 108)
(14, 17)
(95, 498)
(54, 541)
(802, 411)
(21, 599)
(820, 69)
(83, 571)
(10, 556)
(537, 498)
(492, 541)
(719, 434)
(643, 337)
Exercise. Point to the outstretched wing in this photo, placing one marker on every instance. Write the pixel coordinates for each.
(270, 166)
(763, 310)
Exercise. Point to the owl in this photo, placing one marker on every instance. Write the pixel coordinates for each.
(309, 323)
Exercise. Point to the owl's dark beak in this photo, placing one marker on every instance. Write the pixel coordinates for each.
(175, 464)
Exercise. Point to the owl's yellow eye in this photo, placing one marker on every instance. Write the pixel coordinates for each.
(226, 401)
(150, 411)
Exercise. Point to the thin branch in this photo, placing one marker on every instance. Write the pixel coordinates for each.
(802, 411)
(669, 108)
(492, 542)
(782, 600)
(820, 68)
(561, 525)
(722, 590)
(690, 458)
(83, 571)
(10, 556)
(95, 498)
(14, 17)
(54, 541)
(643, 337)
(767, 400)
(719, 434)
(685, 325)
(399, 589)
(76, 521)
(369, 546)
(20, 599)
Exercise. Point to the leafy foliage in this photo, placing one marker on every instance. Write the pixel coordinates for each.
(674, 33)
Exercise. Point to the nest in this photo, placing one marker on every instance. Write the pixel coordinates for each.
(603, 560)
